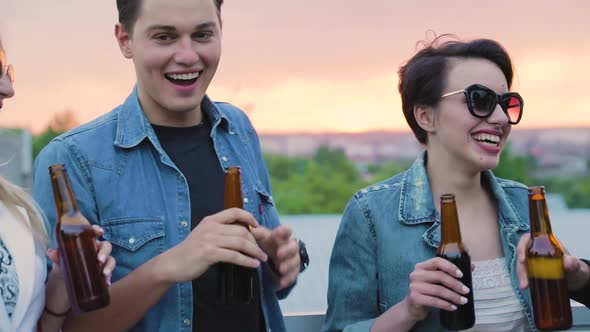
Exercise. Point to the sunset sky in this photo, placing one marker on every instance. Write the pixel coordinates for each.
(301, 65)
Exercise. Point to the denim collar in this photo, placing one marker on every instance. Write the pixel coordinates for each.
(133, 126)
(417, 207)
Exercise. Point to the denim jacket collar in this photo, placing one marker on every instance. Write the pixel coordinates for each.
(416, 205)
(133, 126)
(508, 212)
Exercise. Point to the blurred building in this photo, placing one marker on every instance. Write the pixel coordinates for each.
(16, 156)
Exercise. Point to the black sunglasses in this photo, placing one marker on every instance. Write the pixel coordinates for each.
(482, 102)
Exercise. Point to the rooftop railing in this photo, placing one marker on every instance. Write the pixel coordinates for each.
(312, 321)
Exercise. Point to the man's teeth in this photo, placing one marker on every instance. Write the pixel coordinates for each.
(487, 138)
(185, 77)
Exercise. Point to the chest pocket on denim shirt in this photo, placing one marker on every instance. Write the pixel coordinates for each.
(266, 208)
(134, 240)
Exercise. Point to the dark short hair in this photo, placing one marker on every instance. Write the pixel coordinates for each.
(422, 78)
(129, 11)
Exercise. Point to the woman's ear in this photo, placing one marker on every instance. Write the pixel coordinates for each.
(425, 117)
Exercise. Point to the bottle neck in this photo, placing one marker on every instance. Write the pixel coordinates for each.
(539, 215)
(65, 202)
(450, 232)
(233, 189)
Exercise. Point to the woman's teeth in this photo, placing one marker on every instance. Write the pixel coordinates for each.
(487, 139)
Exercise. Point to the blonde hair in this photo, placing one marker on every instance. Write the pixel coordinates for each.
(14, 198)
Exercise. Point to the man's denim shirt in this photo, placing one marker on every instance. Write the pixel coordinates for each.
(126, 183)
(389, 227)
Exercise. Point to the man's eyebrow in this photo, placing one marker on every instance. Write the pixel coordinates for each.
(161, 27)
(165, 27)
(205, 25)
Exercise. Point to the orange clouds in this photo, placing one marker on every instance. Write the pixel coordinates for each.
(323, 105)
(554, 84)
(300, 65)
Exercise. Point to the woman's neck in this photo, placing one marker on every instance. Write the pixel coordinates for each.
(447, 175)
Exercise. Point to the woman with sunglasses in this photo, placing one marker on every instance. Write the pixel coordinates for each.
(384, 275)
(31, 298)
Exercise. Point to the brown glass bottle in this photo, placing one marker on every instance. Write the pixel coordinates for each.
(87, 288)
(547, 281)
(452, 249)
(236, 283)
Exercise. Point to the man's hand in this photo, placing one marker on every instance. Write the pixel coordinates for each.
(578, 273)
(283, 250)
(222, 237)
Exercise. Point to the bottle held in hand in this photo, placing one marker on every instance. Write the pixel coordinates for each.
(236, 283)
(452, 249)
(86, 285)
(547, 280)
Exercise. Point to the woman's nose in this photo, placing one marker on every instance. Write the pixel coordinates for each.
(6, 88)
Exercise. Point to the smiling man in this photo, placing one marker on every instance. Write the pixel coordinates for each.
(151, 173)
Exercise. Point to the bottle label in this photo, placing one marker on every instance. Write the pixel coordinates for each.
(545, 268)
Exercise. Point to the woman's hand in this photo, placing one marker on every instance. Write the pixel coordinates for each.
(57, 302)
(107, 262)
(434, 284)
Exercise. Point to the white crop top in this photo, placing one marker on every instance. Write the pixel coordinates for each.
(497, 307)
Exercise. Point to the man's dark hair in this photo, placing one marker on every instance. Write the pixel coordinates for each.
(129, 11)
(422, 78)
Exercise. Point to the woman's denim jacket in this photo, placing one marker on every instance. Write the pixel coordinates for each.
(389, 227)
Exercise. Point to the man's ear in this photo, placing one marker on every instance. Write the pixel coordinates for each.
(425, 117)
(124, 40)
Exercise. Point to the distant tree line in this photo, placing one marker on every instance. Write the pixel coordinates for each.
(318, 185)
(323, 183)
(60, 123)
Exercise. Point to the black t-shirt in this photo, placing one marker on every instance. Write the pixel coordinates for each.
(192, 150)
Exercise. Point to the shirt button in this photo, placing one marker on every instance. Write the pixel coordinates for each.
(184, 223)
(187, 322)
(224, 158)
(245, 199)
(132, 240)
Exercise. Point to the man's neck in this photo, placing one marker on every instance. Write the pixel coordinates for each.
(161, 116)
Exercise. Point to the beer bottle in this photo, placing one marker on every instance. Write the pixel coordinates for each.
(547, 281)
(236, 282)
(452, 249)
(86, 285)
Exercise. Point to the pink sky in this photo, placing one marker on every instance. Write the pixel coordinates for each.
(301, 65)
